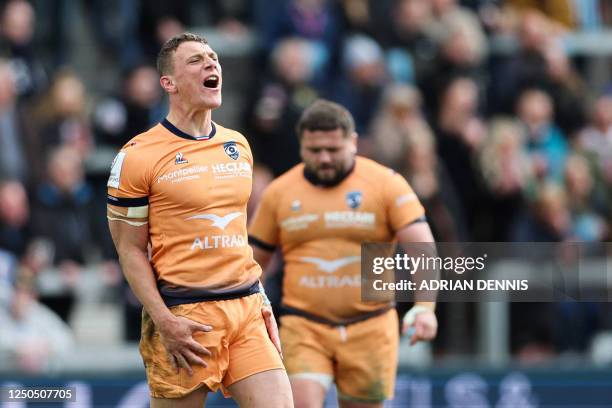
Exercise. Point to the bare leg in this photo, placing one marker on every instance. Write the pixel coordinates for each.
(307, 393)
(268, 389)
(355, 404)
(195, 399)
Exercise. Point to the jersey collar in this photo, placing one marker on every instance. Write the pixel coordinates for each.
(166, 123)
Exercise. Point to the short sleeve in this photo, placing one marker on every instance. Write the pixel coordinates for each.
(403, 206)
(263, 229)
(128, 189)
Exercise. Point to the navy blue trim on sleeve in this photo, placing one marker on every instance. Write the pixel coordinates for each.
(420, 219)
(261, 244)
(127, 202)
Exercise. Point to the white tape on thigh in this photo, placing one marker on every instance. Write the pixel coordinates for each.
(324, 379)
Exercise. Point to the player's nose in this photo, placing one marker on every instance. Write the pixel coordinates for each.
(210, 64)
(324, 157)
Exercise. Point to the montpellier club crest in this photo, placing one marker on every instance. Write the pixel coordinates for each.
(353, 199)
(231, 150)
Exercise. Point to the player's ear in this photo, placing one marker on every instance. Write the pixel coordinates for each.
(353, 142)
(167, 83)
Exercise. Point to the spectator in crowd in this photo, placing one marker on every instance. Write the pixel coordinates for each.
(461, 51)
(527, 68)
(114, 25)
(62, 214)
(408, 32)
(139, 107)
(160, 20)
(397, 118)
(433, 186)
(15, 231)
(16, 44)
(8, 267)
(585, 201)
(566, 89)
(455, 25)
(507, 173)
(317, 21)
(460, 133)
(545, 142)
(62, 115)
(278, 104)
(595, 140)
(18, 147)
(34, 340)
(548, 218)
(360, 90)
(365, 16)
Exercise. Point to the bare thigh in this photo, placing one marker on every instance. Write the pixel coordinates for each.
(267, 389)
(195, 399)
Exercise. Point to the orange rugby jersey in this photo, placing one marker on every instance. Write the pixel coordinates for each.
(320, 231)
(192, 193)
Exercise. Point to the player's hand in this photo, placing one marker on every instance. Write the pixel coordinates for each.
(177, 337)
(421, 324)
(272, 327)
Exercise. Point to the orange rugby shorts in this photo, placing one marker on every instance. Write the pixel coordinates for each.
(239, 344)
(361, 357)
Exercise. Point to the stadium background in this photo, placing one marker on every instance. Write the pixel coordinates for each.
(499, 113)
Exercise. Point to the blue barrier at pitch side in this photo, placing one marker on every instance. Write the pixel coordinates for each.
(423, 389)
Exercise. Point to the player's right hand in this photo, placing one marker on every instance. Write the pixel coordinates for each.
(176, 335)
(272, 328)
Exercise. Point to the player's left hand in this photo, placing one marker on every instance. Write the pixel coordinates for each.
(272, 327)
(422, 325)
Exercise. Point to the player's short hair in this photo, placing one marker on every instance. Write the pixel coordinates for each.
(164, 58)
(325, 115)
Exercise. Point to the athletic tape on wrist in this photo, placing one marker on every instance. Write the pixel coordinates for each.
(411, 315)
(262, 292)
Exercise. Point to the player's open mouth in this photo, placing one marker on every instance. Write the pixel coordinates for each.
(212, 82)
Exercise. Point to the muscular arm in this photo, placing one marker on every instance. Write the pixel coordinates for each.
(131, 243)
(417, 232)
(421, 317)
(176, 332)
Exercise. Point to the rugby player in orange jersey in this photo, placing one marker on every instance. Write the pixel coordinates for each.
(183, 186)
(319, 213)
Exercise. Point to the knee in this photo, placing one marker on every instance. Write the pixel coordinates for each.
(304, 401)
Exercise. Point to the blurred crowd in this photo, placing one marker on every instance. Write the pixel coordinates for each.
(503, 134)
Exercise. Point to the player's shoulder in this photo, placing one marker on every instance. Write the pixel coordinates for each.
(146, 141)
(290, 179)
(372, 170)
(229, 134)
